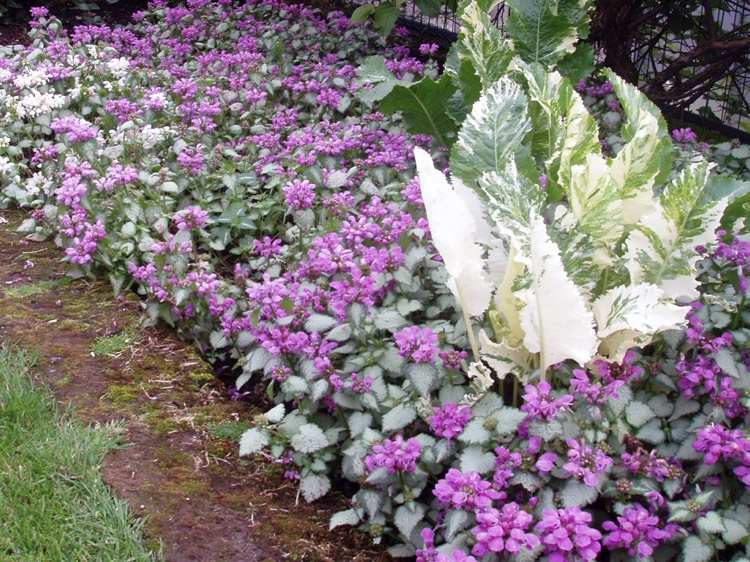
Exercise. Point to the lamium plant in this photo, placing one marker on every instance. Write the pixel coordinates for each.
(515, 339)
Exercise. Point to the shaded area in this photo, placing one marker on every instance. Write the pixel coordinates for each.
(180, 468)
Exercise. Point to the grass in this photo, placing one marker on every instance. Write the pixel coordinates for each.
(30, 289)
(112, 345)
(54, 506)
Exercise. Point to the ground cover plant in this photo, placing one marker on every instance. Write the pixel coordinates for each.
(491, 358)
(53, 502)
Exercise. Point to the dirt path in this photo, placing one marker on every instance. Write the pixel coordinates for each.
(179, 467)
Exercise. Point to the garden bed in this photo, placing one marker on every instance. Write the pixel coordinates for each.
(179, 468)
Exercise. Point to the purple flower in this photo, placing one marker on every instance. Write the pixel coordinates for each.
(543, 181)
(268, 247)
(192, 160)
(430, 554)
(684, 135)
(190, 218)
(449, 420)
(567, 536)
(505, 463)
(593, 392)
(546, 462)
(39, 12)
(538, 402)
(77, 130)
(716, 442)
(468, 491)
(503, 530)
(637, 530)
(586, 463)
(395, 455)
(428, 49)
(416, 343)
(300, 194)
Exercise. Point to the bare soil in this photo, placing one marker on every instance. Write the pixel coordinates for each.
(178, 467)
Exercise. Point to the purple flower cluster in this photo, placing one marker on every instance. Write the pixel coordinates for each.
(503, 531)
(506, 461)
(717, 443)
(300, 194)
(419, 344)
(539, 404)
(190, 218)
(458, 490)
(396, 455)
(638, 531)
(594, 90)
(449, 420)
(567, 536)
(192, 160)
(685, 135)
(77, 130)
(586, 463)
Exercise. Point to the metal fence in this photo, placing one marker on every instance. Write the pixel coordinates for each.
(725, 108)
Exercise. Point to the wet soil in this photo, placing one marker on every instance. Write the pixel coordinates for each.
(178, 467)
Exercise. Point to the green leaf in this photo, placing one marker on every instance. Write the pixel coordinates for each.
(545, 31)
(564, 133)
(362, 12)
(661, 250)
(507, 420)
(579, 64)
(476, 459)
(320, 323)
(385, 18)
(275, 414)
(406, 519)
(455, 522)
(475, 433)
(482, 43)
(511, 202)
(638, 413)
(253, 441)
(347, 517)
(399, 417)
(423, 376)
(492, 132)
(577, 494)
(646, 158)
(358, 422)
(374, 72)
(711, 523)
(429, 8)
(734, 531)
(309, 439)
(314, 486)
(423, 107)
(695, 550)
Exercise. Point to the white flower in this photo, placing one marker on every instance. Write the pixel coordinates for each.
(119, 67)
(6, 166)
(31, 79)
(5, 74)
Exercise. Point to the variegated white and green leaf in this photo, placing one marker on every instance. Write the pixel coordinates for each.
(492, 132)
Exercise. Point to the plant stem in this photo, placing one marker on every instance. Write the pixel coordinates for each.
(469, 329)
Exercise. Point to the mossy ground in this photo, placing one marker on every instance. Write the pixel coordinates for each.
(179, 469)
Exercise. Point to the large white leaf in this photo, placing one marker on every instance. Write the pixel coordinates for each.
(635, 308)
(556, 322)
(454, 233)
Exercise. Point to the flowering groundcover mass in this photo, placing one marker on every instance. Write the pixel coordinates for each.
(224, 159)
